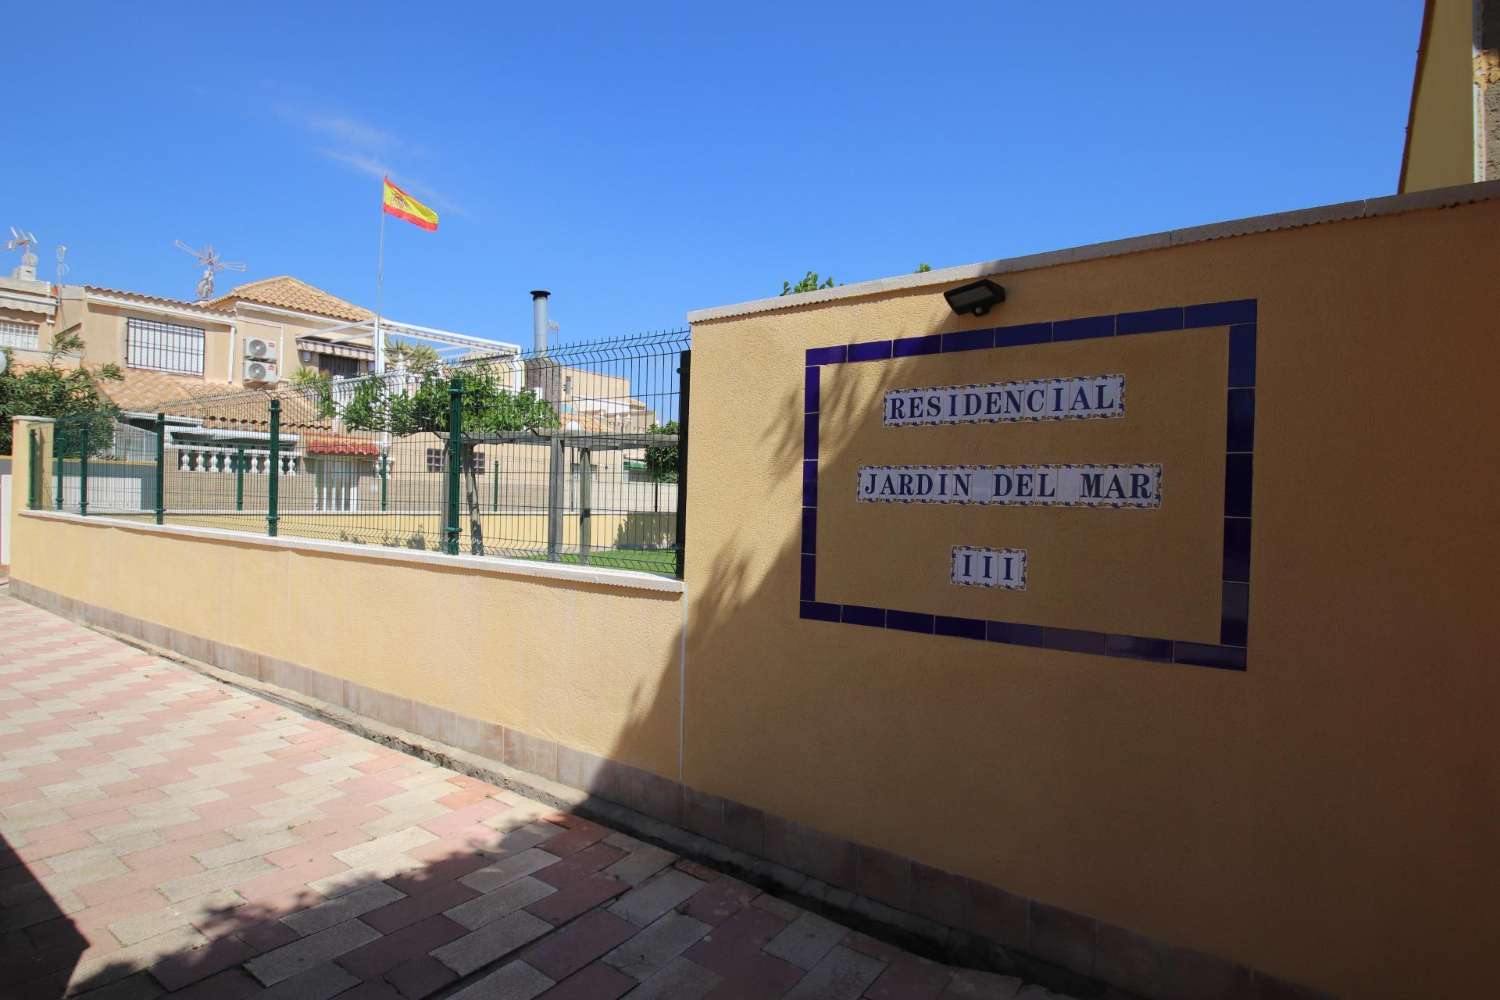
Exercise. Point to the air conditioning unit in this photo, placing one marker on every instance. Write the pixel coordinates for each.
(259, 349)
(260, 371)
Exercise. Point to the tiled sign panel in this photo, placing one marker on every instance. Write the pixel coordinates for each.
(993, 485)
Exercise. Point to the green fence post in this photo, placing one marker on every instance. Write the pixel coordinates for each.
(685, 373)
(275, 470)
(585, 505)
(34, 469)
(239, 478)
(57, 461)
(455, 456)
(83, 473)
(495, 479)
(385, 462)
(161, 468)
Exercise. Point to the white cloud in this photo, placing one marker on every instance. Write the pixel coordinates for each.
(372, 167)
(342, 129)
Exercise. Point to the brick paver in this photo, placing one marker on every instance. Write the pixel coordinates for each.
(164, 834)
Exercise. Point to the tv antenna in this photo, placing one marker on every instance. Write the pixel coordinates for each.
(208, 259)
(23, 241)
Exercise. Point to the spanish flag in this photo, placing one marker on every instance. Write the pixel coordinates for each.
(403, 206)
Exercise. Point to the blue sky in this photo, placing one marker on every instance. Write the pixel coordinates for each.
(644, 160)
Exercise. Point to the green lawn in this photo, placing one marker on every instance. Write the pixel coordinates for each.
(643, 560)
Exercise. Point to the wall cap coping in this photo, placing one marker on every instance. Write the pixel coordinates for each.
(619, 578)
(1368, 208)
(17, 418)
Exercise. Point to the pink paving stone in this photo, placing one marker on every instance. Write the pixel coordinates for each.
(578, 896)
(460, 819)
(733, 950)
(418, 906)
(576, 866)
(369, 788)
(439, 871)
(466, 797)
(175, 850)
(185, 968)
(420, 977)
(114, 802)
(231, 984)
(909, 979)
(559, 955)
(314, 849)
(215, 816)
(596, 982)
(291, 879)
(380, 764)
(693, 868)
(413, 941)
(371, 989)
(96, 919)
(473, 842)
(717, 901)
(137, 881)
(866, 945)
(51, 841)
(266, 935)
(574, 840)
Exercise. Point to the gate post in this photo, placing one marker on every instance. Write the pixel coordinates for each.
(554, 496)
(83, 473)
(272, 484)
(685, 373)
(161, 468)
(585, 505)
(455, 459)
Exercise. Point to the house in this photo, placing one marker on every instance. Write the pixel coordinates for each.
(1453, 125)
(177, 355)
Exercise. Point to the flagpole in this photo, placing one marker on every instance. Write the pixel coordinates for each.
(380, 290)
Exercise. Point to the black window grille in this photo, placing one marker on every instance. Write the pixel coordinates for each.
(163, 347)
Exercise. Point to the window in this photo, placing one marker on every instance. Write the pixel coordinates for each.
(339, 367)
(14, 334)
(437, 460)
(163, 347)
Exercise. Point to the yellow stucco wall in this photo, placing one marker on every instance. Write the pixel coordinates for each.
(1440, 149)
(593, 668)
(1328, 815)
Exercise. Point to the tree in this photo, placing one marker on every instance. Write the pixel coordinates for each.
(73, 396)
(661, 461)
(412, 357)
(402, 408)
(809, 283)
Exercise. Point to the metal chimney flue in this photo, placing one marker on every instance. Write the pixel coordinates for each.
(539, 297)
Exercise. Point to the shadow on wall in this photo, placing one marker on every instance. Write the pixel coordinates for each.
(749, 587)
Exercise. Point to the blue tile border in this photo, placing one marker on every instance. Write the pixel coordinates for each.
(1232, 652)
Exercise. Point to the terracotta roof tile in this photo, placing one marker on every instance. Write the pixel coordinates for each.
(211, 307)
(290, 293)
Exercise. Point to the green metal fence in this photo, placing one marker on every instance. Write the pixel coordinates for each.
(573, 456)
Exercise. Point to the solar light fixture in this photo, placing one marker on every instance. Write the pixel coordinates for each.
(975, 298)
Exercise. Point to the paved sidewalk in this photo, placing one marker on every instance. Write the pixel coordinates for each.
(164, 833)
